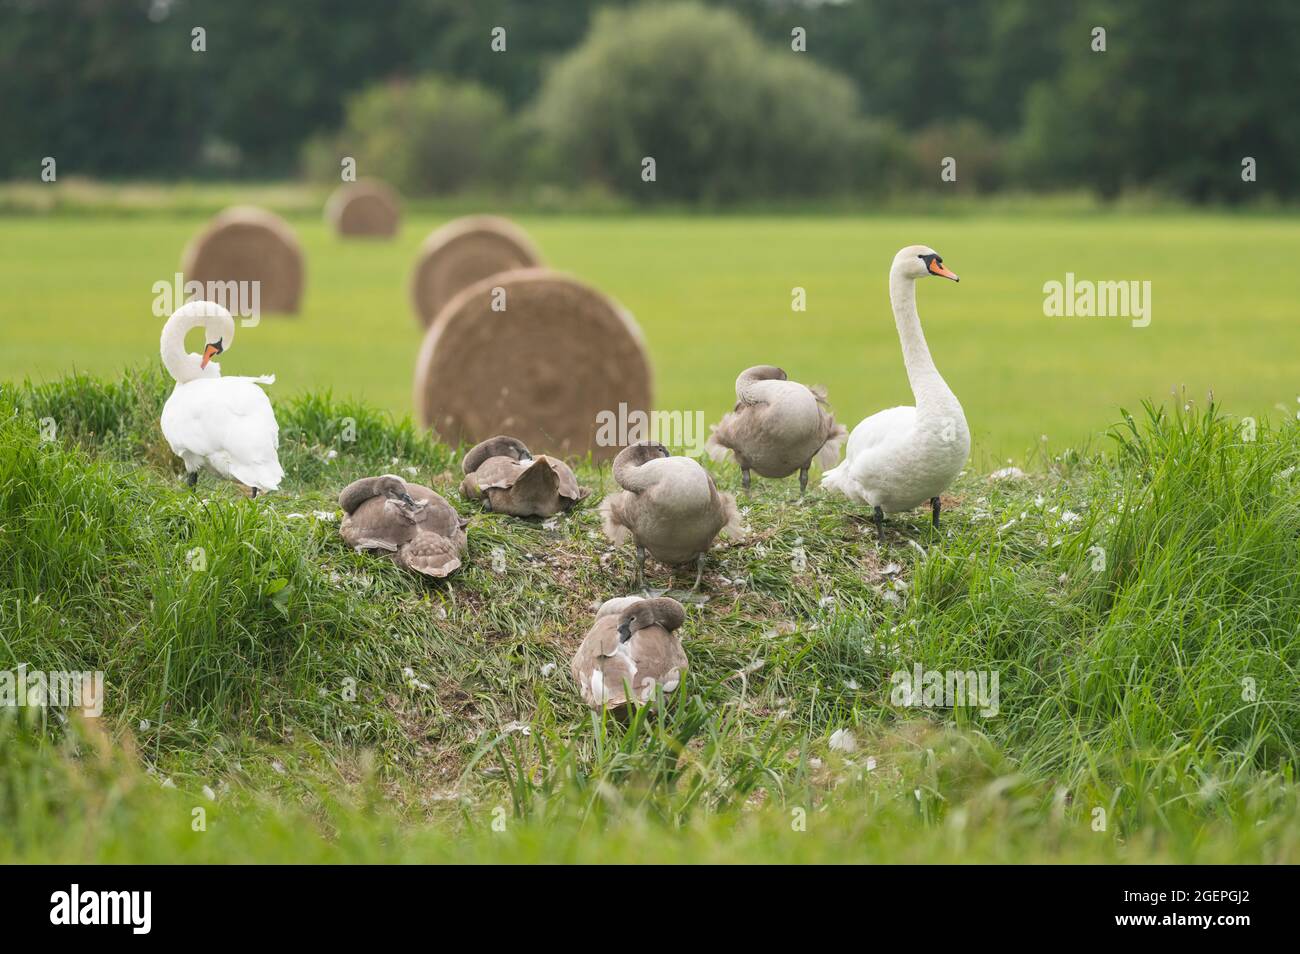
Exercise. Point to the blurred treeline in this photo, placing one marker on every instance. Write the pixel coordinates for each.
(1013, 90)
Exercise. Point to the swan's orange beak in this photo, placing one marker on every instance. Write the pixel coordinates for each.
(208, 354)
(937, 269)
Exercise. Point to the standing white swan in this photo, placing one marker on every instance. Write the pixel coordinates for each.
(900, 458)
(223, 424)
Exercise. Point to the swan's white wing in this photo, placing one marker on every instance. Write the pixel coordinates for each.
(868, 440)
(252, 435)
(879, 429)
(228, 423)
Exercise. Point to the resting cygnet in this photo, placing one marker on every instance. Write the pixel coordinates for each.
(413, 525)
(632, 647)
(508, 479)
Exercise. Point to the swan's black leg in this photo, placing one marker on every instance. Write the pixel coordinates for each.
(744, 477)
(934, 511)
(253, 495)
(879, 516)
(192, 478)
(640, 567)
(803, 479)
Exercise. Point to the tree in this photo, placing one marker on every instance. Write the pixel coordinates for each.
(1184, 90)
(426, 136)
(721, 115)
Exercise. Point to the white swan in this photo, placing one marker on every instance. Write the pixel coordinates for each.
(223, 424)
(900, 458)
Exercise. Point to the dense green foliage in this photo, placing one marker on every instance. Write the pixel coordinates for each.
(424, 137)
(1183, 91)
(721, 115)
(1156, 684)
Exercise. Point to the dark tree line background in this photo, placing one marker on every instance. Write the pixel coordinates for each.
(1012, 88)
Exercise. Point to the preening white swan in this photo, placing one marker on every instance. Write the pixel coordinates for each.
(900, 458)
(223, 424)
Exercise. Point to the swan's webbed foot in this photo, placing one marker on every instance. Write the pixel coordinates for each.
(879, 516)
(934, 511)
(803, 479)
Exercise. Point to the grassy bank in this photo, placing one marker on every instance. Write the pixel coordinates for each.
(1140, 608)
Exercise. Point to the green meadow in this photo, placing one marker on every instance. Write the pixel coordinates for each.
(714, 295)
(291, 700)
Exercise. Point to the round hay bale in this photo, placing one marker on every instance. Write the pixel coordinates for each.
(248, 244)
(368, 208)
(463, 252)
(542, 370)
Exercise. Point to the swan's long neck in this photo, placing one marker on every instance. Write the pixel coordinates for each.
(183, 367)
(747, 385)
(933, 396)
(358, 492)
(629, 473)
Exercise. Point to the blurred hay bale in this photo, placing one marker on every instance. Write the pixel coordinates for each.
(248, 244)
(542, 369)
(368, 208)
(463, 252)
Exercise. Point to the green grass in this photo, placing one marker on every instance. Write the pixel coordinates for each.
(337, 708)
(713, 296)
